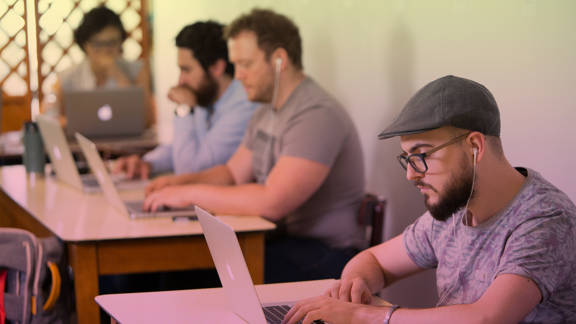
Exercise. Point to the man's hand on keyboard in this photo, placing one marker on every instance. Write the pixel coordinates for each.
(353, 290)
(132, 166)
(333, 311)
(168, 197)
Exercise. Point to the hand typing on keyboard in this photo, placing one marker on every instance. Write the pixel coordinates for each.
(330, 310)
(162, 208)
(172, 196)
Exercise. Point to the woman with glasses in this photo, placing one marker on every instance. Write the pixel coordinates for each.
(100, 35)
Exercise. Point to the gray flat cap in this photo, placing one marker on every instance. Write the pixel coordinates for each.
(448, 101)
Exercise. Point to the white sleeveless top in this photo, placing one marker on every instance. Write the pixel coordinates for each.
(80, 76)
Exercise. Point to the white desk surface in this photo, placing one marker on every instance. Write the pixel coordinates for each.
(11, 143)
(198, 305)
(75, 216)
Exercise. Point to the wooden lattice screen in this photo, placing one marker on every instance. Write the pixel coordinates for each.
(14, 64)
(56, 21)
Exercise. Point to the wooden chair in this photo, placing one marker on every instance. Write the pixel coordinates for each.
(371, 216)
(14, 112)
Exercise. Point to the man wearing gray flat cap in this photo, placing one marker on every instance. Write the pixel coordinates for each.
(502, 239)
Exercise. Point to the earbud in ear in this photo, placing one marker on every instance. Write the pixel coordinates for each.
(475, 150)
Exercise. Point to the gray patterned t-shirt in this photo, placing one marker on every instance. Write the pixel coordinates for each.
(535, 237)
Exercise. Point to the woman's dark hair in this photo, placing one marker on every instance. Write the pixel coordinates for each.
(206, 41)
(94, 21)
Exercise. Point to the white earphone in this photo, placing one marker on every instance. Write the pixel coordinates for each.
(475, 150)
(278, 64)
(276, 80)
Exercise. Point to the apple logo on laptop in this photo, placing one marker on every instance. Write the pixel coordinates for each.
(230, 272)
(105, 113)
(56, 152)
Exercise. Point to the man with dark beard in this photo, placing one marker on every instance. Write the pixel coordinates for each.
(212, 109)
(501, 239)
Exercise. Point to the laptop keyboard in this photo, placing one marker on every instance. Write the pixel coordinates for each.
(90, 182)
(275, 314)
(137, 205)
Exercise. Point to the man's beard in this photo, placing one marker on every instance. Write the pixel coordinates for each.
(455, 197)
(207, 92)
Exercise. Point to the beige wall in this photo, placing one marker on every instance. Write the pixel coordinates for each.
(373, 55)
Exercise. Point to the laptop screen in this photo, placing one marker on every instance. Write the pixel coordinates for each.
(231, 267)
(106, 112)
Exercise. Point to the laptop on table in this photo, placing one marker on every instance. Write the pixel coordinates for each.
(117, 112)
(63, 164)
(234, 275)
(132, 209)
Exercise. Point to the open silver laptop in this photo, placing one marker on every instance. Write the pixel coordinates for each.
(117, 112)
(63, 164)
(234, 275)
(133, 209)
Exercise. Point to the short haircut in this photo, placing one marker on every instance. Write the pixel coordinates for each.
(272, 30)
(492, 141)
(206, 41)
(94, 21)
(495, 142)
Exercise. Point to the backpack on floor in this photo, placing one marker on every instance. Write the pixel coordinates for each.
(33, 278)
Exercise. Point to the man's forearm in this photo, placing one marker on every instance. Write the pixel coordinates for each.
(218, 175)
(364, 265)
(469, 314)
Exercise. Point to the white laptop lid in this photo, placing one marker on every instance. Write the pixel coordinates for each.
(105, 112)
(111, 192)
(231, 267)
(56, 145)
(99, 169)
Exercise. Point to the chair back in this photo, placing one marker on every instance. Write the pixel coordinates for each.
(371, 217)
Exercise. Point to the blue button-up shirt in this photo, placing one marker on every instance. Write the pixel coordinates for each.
(205, 138)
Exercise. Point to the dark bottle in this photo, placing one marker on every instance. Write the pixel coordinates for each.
(34, 157)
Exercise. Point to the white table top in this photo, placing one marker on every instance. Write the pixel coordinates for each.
(11, 143)
(75, 216)
(198, 305)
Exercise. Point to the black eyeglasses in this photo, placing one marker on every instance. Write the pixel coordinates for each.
(418, 160)
(110, 43)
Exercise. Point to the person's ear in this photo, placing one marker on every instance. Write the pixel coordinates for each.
(478, 142)
(278, 59)
(218, 68)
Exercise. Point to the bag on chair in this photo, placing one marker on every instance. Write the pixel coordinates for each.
(33, 277)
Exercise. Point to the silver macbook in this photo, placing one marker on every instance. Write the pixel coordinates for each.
(133, 209)
(234, 275)
(63, 164)
(115, 112)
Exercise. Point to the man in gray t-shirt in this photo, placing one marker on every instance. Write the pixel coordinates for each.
(501, 239)
(313, 126)
(300, 163)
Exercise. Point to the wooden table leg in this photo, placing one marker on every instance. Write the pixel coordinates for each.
(253, 249)
(84, 263)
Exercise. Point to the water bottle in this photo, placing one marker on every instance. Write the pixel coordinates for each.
(34, 157)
